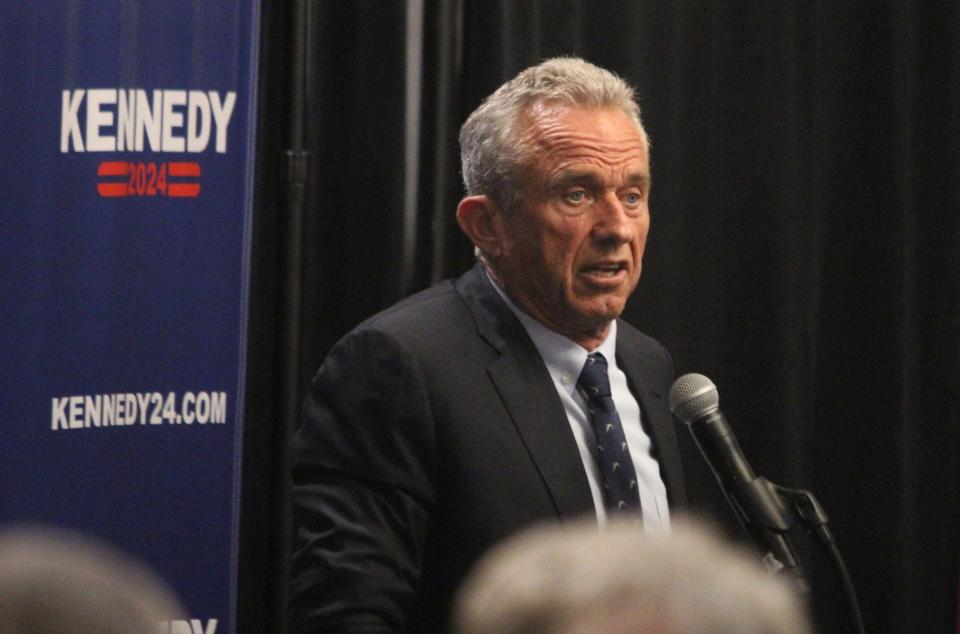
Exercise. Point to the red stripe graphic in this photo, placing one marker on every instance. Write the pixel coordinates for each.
(183, 169)
(183, 190)
(113, 168)
(148, 179)
(112, 190)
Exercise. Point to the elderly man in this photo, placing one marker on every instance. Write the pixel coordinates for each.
(511, 396)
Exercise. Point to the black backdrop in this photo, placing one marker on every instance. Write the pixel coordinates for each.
(804, 251)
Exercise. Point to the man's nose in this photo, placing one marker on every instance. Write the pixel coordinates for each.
(612, 224)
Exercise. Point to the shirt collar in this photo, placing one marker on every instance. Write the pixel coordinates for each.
(563, 357)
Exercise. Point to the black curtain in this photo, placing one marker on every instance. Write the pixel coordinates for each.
(804, 251)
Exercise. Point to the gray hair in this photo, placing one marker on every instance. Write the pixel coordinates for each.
(491, 156)
(54, 581)
(623, 580)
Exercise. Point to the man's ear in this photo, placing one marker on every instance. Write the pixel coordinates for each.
(478, 217)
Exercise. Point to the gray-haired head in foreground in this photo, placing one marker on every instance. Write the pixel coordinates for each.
(492, 158)
(581, 580)
(53, 582)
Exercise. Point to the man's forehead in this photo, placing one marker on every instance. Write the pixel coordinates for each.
(557, 126)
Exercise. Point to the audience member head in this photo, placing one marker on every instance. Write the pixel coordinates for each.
(55, 582)
(576, 579)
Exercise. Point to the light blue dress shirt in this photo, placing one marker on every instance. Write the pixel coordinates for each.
(564, 359)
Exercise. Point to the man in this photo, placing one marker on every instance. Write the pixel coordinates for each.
(576, 580)
(472, 409)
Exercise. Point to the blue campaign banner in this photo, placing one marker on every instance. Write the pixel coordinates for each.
(126, 174)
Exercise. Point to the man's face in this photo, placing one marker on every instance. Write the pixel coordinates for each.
(571, 249)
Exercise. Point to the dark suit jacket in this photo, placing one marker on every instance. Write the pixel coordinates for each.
(430, 432)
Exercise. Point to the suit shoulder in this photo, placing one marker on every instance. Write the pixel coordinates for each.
(630, 340)
(425, 315)
(636, 338)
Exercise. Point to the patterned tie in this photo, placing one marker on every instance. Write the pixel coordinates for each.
(616, 467)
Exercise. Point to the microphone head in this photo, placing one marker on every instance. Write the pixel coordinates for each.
(692, 397)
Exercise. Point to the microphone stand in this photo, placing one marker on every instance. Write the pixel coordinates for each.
(795, 506)
(767, 524)
(815, 519)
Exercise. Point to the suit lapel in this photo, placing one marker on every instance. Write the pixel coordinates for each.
(658, 421)
(524, 384)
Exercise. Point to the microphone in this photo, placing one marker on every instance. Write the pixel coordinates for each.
(761, 511)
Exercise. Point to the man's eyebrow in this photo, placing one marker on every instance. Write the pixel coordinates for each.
(574, 176)
(571, 177)
(638, 178)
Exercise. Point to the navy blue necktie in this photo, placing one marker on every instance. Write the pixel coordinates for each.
(613, 457)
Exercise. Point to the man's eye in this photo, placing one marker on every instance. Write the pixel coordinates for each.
(632, 199)
(575, 197)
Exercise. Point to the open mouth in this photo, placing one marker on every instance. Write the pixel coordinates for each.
(605, 270)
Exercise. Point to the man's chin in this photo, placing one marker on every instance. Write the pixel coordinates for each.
(600, 312)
